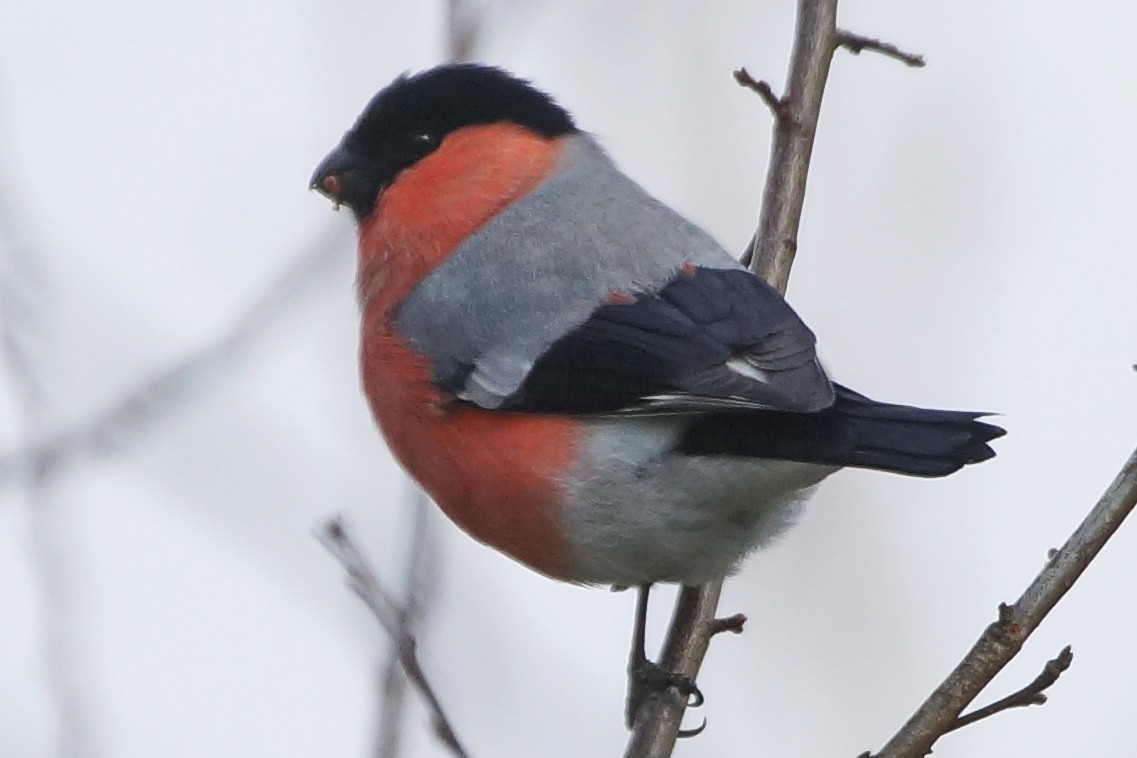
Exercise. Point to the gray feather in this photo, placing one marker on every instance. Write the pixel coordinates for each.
(541, 267)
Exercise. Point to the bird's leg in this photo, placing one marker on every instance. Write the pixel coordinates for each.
(645, 677)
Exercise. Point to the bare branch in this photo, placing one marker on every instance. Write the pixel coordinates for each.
(1002, 640)
(364, 583)
(856, 44)
(762, 88)
(733, 624)
(22, 293)
(418, 593)
(464, 25)
(1032, 694)
(658, 721)
(770, 254)
(25, 299)
(43, 458)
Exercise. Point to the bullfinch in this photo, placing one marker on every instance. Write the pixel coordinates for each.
(580, 377)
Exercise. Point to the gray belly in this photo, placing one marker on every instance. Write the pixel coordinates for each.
(638, 513)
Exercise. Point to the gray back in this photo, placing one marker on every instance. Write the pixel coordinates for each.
(541, 267)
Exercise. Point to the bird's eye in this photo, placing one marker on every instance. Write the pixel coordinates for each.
(423, 142)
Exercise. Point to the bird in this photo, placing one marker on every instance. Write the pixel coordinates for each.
(577, 375)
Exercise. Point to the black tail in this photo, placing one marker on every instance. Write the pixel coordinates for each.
(854, 431)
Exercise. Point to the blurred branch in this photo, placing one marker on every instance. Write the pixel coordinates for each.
(157, 396)
(1002, 640)
(463, 27)
(419, 590)
(24, 306)
(42, 461)
(364, 583)
(21, 287)
(23, 294)
(770, 255)
(24, 301)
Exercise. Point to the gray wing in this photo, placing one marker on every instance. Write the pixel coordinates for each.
(517, 314)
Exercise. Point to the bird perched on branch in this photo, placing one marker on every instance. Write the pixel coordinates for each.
(580, 377)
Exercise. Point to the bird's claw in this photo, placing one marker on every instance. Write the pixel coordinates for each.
(646, 678)
(685, 733)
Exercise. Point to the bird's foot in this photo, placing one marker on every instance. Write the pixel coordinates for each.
(646, 678)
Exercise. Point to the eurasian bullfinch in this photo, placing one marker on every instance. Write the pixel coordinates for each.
(580, 377)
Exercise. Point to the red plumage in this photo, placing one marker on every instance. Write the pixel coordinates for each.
(494, 474)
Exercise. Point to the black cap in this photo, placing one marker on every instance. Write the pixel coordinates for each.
(409, 118)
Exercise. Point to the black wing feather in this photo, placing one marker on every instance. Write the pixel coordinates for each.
(668, 352)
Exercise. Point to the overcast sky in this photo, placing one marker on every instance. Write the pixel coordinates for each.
(967, 242)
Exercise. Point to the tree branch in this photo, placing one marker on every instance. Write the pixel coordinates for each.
(772, 250)
(417, 594)
(856, 44)
(463, 28)
(364, 583)
(1002, 640)
(464, 23)
(1032, 694)
(763, 89)
(659, 718)
(60, 582)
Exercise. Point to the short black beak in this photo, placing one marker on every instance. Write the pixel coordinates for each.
(346, 178)
(338, 162)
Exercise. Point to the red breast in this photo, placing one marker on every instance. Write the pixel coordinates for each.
(494, 474)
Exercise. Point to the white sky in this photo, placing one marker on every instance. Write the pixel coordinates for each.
(968, 242)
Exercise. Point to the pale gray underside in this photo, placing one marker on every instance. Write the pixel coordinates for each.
(636, 512)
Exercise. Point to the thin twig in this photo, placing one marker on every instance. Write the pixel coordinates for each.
(364, 583)
(659, 718)
(1032, 694)
(733, 624)
(464, 25)
(856, 44)
(762, 88)
(61, 585)
(418, 593)
(772, 251)
(1002, 640)
(23, 290)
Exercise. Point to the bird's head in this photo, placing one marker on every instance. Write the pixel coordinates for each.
(411, 118)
